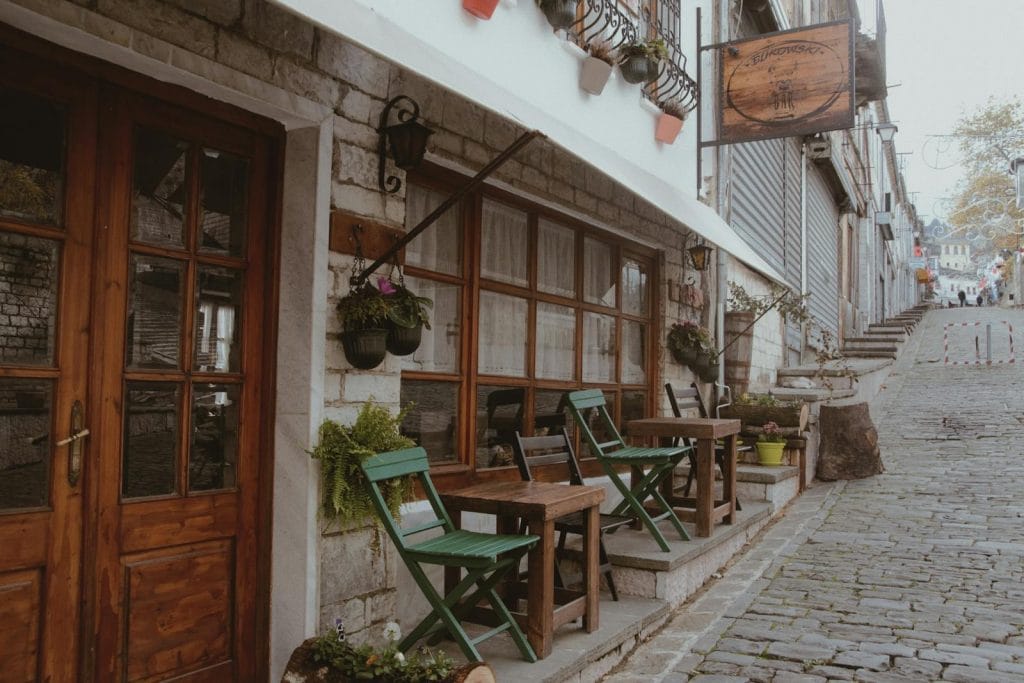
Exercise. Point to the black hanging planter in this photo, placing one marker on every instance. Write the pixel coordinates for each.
(639, 69)
(365, 349)
(709, 373)
(403, 340)
(559, 13)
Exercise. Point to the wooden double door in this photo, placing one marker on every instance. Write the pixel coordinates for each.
(135, 295)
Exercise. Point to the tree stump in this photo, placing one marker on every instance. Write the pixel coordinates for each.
(849, 442)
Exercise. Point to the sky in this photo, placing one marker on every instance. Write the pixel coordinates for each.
(947, 57)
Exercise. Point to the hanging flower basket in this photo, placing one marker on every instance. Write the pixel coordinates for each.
(365, 349)
(403, 341)
(481, 9)
(561, 14)
(639, 69)
(709, 372)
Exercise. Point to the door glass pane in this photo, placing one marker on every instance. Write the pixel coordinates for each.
(438, 248)
(551, 412)
(439, 346)
(214, 448)
(503, 253)
(32, 141)
(159, 189)
(556, 259)
(28, 299)
(25, 422)
(224, 184)
(597, 425)
(556, 342)
(634, 352)
(154, 312)
(502, 347)
(634, 287)
(598, 348)
(598, 273)
(150, 439)
(432, 421)
(634, 407)
(499, 415)
(218, 319)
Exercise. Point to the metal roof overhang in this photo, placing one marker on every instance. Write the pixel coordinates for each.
(376, 33)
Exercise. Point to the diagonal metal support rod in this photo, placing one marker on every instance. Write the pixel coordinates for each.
(472, 184)
(763, 314)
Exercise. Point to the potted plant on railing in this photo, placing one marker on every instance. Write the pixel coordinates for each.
(561, 14)
(364, 315)
(670, 121)
(770, 444)
(641, 60)
(481, 9)
(407, 316)
(597, 67)
(686, 340)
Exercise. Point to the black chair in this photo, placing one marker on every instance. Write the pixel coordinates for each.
(690, 399)
(556, 449)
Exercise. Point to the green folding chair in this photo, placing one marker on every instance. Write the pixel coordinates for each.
(487, 558)
(615, 453)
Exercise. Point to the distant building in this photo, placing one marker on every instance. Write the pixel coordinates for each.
(954, 253)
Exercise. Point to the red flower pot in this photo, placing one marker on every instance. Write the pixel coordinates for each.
(481, 9)
(668, 128)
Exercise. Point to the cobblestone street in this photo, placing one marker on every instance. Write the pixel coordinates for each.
(915, 574)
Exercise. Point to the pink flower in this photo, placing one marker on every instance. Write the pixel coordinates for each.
(385, 286)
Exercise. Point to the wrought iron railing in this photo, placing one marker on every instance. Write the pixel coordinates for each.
(607, 21)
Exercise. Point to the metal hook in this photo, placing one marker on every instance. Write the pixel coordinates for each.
(357, 230)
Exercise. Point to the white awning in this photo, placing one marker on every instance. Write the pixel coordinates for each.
(386, 31)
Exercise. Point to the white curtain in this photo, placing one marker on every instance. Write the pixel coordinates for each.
(439, 346)
(225, 336)
(556, 259)
(598, 278)
(556, 341)
(598, 348)
(433, 248)
(503, 252)
(502, 347)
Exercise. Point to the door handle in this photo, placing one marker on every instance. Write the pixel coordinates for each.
(75, 441)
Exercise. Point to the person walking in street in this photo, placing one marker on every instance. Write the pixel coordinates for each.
(979, 300)
(962, 295)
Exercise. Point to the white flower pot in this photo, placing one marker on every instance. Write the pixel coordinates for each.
(594, 75)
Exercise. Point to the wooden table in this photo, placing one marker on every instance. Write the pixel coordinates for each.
(706, 510)
(540, 504)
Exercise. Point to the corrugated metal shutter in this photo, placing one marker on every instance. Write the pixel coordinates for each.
(794, 339)
(758, 210)
(822, 251)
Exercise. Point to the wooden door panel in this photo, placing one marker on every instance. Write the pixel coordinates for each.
(176, 522)
(24, 543)
(179, 607)
(20, 600)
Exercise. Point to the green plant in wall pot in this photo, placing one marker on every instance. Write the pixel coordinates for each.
(686, 340)
(408, 314)
(340, 450)
(641, 60)
(364, 313)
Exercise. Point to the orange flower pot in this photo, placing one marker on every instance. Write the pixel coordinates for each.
(481, 9)
(668, 128)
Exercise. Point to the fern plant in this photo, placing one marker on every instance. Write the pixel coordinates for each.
(341, 449)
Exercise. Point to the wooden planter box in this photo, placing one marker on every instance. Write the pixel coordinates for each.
(792, 418)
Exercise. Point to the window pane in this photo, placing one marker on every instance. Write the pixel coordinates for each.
(634, 352)
(214, 448)
(31, 158)
(556, 259)
(150, 439)
(634, 287)
(502, 347)
(634, 407)
(440, 247)
(28, 299)
(224, 184)
(551, 412)
(598, 273)
(160, 189)
(556, 342)
(218, 319)
(499, 415)
(503, 253)
(439, 346)
(597, 426)
(598, 348)
(25, 421)
(154, 312)
(432, 422)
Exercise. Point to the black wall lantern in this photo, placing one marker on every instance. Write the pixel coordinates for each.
(407, 138)
(700, 255)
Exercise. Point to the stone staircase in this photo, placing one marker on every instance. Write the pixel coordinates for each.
(883, 340)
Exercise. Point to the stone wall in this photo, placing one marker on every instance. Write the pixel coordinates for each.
(243, 43)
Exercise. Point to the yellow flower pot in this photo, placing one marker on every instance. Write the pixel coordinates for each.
(770, 453)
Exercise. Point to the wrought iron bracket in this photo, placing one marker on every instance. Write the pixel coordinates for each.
(407, 110)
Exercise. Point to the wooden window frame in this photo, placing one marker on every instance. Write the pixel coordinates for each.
(464, 472)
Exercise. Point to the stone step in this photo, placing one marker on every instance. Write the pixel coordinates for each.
(887, 340)
(869, 353)
(893, 330)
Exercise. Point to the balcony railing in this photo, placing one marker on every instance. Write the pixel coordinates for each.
(609, 22)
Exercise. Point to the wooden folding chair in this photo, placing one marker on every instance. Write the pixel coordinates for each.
(487, 558)
(615, 453)
(557, 450)
(691, 399)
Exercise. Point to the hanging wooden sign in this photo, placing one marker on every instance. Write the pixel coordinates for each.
(785, 84)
